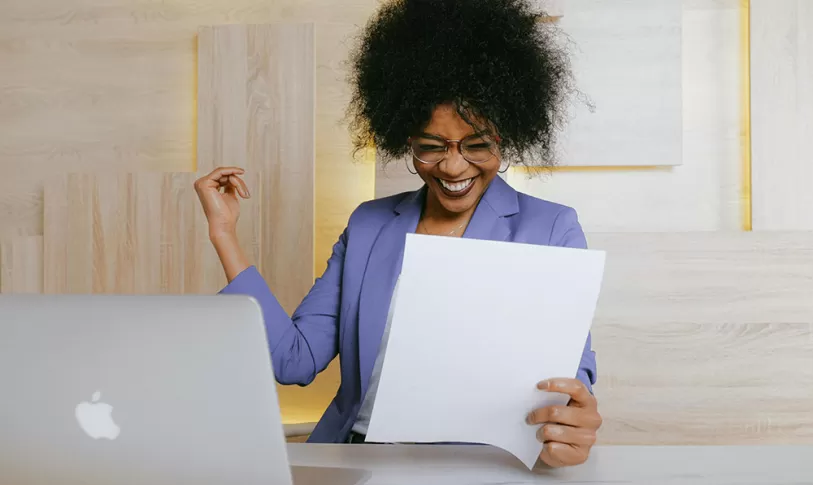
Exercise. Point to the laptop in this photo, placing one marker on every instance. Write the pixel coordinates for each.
(109, 390)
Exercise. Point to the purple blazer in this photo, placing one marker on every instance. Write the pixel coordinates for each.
(345, 312)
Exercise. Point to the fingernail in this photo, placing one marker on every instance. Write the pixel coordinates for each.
(540, 434)
(543, 385)
(529, 418)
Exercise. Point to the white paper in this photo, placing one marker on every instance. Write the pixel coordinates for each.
(476, 325)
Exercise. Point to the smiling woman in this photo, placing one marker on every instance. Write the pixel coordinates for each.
(465, 87)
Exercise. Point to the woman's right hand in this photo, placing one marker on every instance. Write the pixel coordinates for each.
(218, 193)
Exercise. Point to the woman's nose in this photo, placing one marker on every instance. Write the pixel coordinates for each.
(454, 163)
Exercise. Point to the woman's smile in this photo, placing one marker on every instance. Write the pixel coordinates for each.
(455, 189)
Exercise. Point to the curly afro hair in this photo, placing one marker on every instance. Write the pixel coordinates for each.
(493, 60)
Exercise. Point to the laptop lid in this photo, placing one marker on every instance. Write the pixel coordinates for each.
(137, 389)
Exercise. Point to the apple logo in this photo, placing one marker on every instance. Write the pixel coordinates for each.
(95, 418)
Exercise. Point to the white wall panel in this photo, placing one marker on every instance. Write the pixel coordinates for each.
(626, 57)
(703, 194)
(782, 114)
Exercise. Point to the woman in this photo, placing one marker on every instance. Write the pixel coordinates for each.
(464, 87)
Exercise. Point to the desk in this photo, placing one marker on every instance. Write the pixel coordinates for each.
(481, 465)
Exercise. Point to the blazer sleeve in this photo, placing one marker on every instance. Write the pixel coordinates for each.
(567, 232)
(304, 344)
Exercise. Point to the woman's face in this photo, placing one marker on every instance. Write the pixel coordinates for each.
(454, 183)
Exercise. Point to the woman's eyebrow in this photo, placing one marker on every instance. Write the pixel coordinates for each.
(424, 134)
(438, 137)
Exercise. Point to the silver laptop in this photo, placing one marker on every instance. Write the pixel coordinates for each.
(138, 390)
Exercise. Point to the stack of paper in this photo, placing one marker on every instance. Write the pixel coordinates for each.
(476, 325)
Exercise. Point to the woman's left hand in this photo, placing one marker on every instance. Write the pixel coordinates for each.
(568, 432)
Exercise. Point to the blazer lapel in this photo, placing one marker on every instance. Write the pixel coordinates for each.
(380, 276)
(489, 219)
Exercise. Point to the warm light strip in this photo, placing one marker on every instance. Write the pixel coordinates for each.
(745, 76)
(195, 109)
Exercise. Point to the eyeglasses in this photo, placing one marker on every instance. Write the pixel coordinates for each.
(431, 149)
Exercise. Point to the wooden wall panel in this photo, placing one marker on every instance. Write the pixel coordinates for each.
(706, 277)
(782, 114)
(21, 265)
(685, 383)
(106, 232)
(95, 85)
(256, 102)
(705, 338)
(124, 234)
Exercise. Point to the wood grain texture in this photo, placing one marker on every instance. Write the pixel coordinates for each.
(705, 338)
(123, 234)
(782, 114)
(119, 232)
(693, 383)
(98, 85)
(706, 277)
(256, 102)
(21, 265)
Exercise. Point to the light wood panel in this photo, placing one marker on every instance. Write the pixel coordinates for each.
(20, 202)
(124, 233)
(703, 383)
(21, 265)
(256, 101)
(94, 85)
(782, 114)
(706, 277)
(705, 338)
(104, 232)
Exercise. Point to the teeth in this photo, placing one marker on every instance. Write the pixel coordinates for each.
(457, 186)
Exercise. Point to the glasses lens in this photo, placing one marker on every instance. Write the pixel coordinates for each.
(428, 150)
(478, 150)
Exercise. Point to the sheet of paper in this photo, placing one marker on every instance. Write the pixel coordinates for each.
(476, 325)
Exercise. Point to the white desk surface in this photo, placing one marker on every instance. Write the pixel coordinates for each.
(481, 465)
